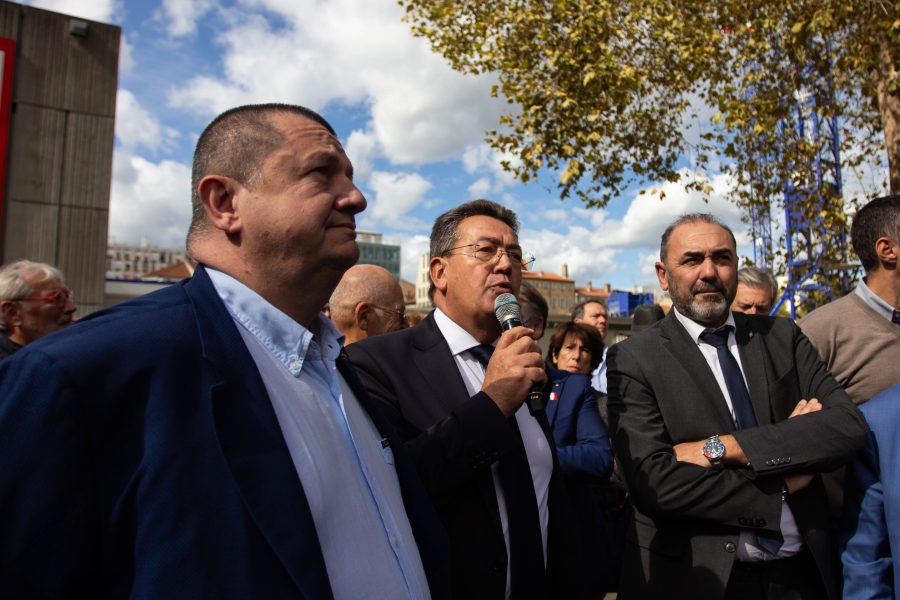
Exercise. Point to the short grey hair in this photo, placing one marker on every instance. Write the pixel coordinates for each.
(13, 284)
(758, 278)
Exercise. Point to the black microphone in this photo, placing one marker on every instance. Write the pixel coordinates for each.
(509, 313)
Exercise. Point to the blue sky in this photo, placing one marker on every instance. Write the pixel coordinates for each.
(413, 128)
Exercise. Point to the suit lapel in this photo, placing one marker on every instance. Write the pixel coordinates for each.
(432, 357)
(753, 364)
(684, 350)
(253, 445)
(434, 361)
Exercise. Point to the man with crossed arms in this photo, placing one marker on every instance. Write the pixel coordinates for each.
(721, 422)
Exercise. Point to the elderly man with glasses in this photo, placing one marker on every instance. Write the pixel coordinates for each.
(454, 387)
(367, 302)
(34, 301)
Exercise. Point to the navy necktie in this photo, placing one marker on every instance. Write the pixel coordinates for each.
(482, 353)
(744, 417)
(526, 546)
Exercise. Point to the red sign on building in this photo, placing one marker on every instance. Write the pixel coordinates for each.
(7, 56)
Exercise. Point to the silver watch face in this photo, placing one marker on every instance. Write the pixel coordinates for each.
(714, 449)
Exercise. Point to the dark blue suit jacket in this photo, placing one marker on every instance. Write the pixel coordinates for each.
(140, 457)
(586, 459)
(582, 443)
(870, 541)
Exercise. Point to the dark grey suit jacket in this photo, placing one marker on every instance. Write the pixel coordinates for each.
(687, 519)
(454, 440)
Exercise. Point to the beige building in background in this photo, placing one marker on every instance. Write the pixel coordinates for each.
(55, 202)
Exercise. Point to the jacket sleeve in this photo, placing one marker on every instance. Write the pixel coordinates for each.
(795, 445)
(50, 528)
(587, 452)
(865, 547)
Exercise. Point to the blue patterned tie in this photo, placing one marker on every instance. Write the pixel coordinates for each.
(744, 417)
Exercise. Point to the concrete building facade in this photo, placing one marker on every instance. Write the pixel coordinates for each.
(124, 261)
(374, 251)
(55, 202)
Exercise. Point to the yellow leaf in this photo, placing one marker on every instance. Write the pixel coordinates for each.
(572, 169)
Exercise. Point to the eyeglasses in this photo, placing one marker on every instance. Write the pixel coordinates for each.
(401, 313)
(59, 297)
(489, 253)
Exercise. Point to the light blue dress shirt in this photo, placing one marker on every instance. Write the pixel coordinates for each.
(347, 474)
(875, 303)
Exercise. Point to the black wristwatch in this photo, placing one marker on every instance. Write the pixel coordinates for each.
(714, 451)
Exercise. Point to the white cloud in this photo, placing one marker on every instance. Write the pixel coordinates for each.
(481, 158)
(411, 249)
(396, 194)
(575, 247)
(136, 127)
(480, 188)
(648, 214)
(126, 56)
(647, 266)
(421, 110)
(361, 147)
(599, 248)
(105, 11)
(149, 199)
(181, 15)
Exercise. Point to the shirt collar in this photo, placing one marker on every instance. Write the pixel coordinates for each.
(694, 328)
(457, 338)
(874, 301)
(286, 339)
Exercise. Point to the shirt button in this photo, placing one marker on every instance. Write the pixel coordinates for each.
(730, 547)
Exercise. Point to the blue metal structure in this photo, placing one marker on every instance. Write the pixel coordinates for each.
(806, 236)
(808, 193)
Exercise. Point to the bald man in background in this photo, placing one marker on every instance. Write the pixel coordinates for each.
(367, 302)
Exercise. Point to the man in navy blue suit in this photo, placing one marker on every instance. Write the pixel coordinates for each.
(211, 440)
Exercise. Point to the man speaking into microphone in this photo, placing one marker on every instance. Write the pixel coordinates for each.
(454, 386)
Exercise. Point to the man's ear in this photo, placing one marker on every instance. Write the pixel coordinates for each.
(437, 270)
(661, 275)
(361, 316)
(887, 251)
(218, 196)
(538, 325)
(12, 312)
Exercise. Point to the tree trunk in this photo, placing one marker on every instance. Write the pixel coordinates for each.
(889, 106)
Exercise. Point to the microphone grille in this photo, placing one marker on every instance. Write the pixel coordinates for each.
(506, 307)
